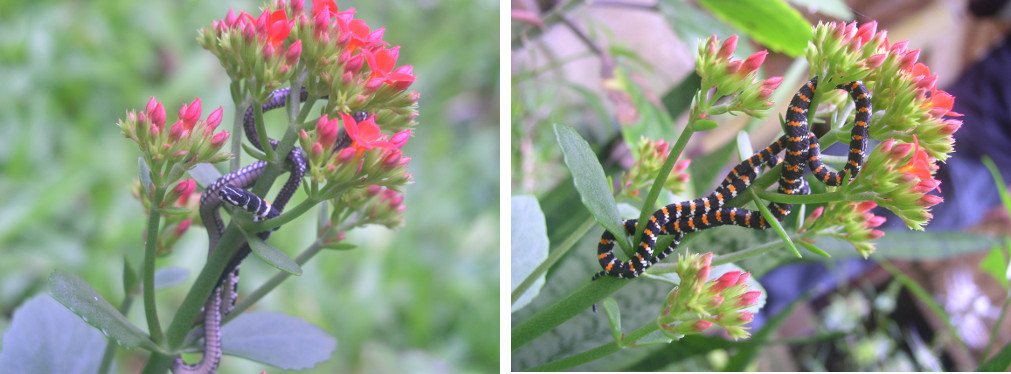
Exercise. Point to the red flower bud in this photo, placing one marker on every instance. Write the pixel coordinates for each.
(772, 82)
(875, 234)
(900, 46)
(748, 299)
(928, 201)
(743, 278)
(184, 189)
(400, 138)
(392, 160)
(816, 213)
(711, 45)
(864, 206)
(701, 325)
(346, 155)
(927, 83)
(726, 280)
(875, 60)
(373, 190)
(875, 221)
(950, 126)
(753, 62)
(182, 227)
(727, 49)
(230, 18)
(909, 59)
(734, 66)
(219, 139)
(317, 150)
(867, 31)
(900, 151)
(294, 51)
(213, 120)
(176, 132)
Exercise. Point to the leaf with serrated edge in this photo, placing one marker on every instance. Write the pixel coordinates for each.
(275, 339)
(74, 293)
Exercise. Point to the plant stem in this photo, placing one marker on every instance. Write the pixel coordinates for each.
(654, 191)
(555, 255)
(110, 345)
(747, 253)
(150, 252)
(599, 352)
(285, 217)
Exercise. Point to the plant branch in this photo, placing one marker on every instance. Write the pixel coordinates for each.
(150, 253)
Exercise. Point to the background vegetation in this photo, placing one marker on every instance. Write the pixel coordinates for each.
(424, 297)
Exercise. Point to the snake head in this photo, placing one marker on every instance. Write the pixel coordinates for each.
(248, 201)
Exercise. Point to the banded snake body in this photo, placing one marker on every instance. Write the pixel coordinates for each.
(230, 188)
(802, 151)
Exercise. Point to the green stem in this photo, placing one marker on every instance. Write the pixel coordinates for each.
(747, 253)
(261, 130)
(596, 353)
(814, 198)
(150, 253)
(654, 191)
(555, 255)
(110, 345)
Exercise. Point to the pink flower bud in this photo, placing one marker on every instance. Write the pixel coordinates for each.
(875, 60)
(184, 189)
(180, 154)
(392, 160)
(753, 62)
(151, 105)
(176, 132)
(268, 51)
(950, 126)
(734, 66)
(748, 299)
(396, 200)
(874, 221)
(303, 136)
(927, 83)
(374, 84)
(746, 317)
(355, 64)
(219, 139)
(317, 150)
(347, 79)
(727, 49)
(867, 31)
(182, 227)
(899, 47)
(297, 7)
(711, 45)
(726, 280)
(346, 155)
(816, 213)
(927, 185)
(403, 163)
(701, 325)
(900, 151)
(321, 22)
(213, 120)
(909, 59)
(716, 301)
(682, 165)
(294, 51)
(249, 33)
(864, 206)
(743, 278)
(765, 94)
(928, 201)
(874, 234)
(230, 18)
(772, 82)
(400, 138)
(373, 190)
(154, 130)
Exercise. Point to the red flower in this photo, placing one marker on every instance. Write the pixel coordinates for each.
(940, 103)
(324, 5)
(382, 64)
(920, 164)
(365, 135)
(361, 35)
(278, 27)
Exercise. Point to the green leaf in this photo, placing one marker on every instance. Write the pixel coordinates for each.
(169, 276)
(255, 153)
(774, 223)
(74, 293)
(705, 125)
(814, 249)
(131, 282)
(770, 22)
(589, 179)
(204, 174)
(999, 362)
(690, 23)
(145, 175)
(613, 318)
(529, 243)
(338, 246)
(275, 339)
(832, 8)
(996, 264)
(272, 256)
(44, 337)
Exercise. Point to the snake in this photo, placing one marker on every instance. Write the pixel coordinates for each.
(802, 152)
(231, 189)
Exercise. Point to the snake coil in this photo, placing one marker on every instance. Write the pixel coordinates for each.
(802, 151)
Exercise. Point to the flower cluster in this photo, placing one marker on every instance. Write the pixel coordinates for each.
(846, 52)
(735, 78)
(901, 176)
(847, 220)
(652, 154)
(700, 301)
(375, 205)
(371, 157)
(171, 150)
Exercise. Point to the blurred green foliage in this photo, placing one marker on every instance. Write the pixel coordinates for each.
(421, 298)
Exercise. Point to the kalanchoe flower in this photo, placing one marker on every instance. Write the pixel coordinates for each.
(377, 205)
(651, 156)
(735, 78)
(188, 141)
(699, 302)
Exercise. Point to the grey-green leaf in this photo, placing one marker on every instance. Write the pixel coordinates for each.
(145, 175)
(272, 256)
(44, 337)
(75, 294)
(276, 339)
(529, 246)
(589, 179)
